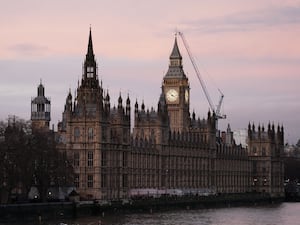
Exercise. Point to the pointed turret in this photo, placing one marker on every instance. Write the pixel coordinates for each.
(120, 101)
(40, 90)
(175, 67)
(107, 103)
(89, 77)
(90, 52)
(68, 105)
(162, 106)
(128, 106)
(143, 106)
(175, 52)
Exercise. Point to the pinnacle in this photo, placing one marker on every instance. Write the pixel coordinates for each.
(175, 52)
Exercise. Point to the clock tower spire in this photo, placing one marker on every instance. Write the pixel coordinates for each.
(176, 89)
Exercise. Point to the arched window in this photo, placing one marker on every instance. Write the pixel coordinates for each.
(90, 181)
(76, 133)
(103, 158)
(90, 159)
(90, 133)
(254, 150)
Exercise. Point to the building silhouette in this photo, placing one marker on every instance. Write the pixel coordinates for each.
(168, 152)
(40, 109)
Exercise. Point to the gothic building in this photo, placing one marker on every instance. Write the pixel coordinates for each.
(96, 137)
(168, 151)
(265, 153)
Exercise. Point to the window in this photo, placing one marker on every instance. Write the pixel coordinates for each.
(104, 133)
(124, 159)
(124, 181)
(90, 181)
(90, 158)
(90, 69)
(125, 135)
(76, 133)
(263, 151)
(254, 150)
(90, 133)
(254, 167)
(163, 180)
(76, 158)
(103, 158)
(76, 180)
(152, 133)
(90, 72)
(175, 62)
(103, 180)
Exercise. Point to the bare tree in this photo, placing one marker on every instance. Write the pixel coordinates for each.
(51, 167)
(15, 166)
(29, 159)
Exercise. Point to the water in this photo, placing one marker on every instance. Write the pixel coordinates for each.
(277, 214)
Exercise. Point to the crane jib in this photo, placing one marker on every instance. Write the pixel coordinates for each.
(216, 111)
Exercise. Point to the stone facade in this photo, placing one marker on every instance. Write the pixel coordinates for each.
(265, 153)
(167, 152)
(233, 166)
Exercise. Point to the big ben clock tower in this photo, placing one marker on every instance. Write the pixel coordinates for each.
(176, 89)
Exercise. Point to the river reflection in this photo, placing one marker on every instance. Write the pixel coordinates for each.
(277, 214)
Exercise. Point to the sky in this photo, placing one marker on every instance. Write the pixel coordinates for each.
(248, 49)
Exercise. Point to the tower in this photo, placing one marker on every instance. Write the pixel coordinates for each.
(90, 94)
(95, 137)
(81, 129)
(265, 152)
(176, 89)
(40, 109)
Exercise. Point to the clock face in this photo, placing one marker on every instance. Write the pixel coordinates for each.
(186, 96)
(172, 95)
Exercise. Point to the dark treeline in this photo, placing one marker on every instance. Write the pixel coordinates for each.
(292, 163)
(29, 159)
(292, 168)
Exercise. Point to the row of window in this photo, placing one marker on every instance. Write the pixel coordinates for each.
(40, 107)
(90, 159)
(91, 134)
(90, 180)
(263, 151)
(261, 167)
(77, 133)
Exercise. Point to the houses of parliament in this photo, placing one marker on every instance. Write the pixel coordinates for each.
(167, 150)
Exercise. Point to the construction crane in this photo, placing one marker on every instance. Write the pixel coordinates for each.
(217, 110)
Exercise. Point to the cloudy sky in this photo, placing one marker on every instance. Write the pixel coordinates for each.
(249, 49)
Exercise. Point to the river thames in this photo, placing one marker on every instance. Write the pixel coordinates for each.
(275, 214)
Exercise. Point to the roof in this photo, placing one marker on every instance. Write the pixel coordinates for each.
(175, 52)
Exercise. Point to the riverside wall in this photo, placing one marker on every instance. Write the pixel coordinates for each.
(62, 210)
